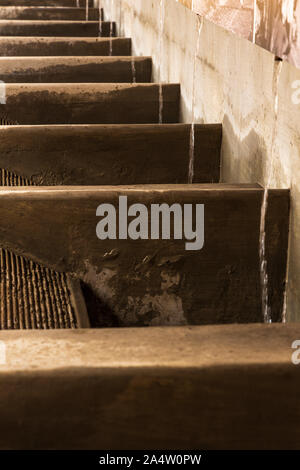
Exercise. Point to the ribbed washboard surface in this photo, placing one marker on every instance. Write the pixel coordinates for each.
(7, 178)
(31, 296)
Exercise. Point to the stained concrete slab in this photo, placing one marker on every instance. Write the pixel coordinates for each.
(48, 13)
(52, 3)
(216, 387)
(110, 154)
(56, 28)
(90, 103)
(63, 46)
(156, 282)
(66, 69)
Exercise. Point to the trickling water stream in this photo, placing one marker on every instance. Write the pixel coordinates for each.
(161, 31)
(192, 131)
(133, 69)
(86, 10)
(254, 21)
(266, 308)
(100, 18)
(284, 308)
(111, 28)
(264, 280)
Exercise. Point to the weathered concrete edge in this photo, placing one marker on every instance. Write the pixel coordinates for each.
(219, 387)
(192, 347)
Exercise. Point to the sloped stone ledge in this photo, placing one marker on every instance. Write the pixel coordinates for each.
(187, 387)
